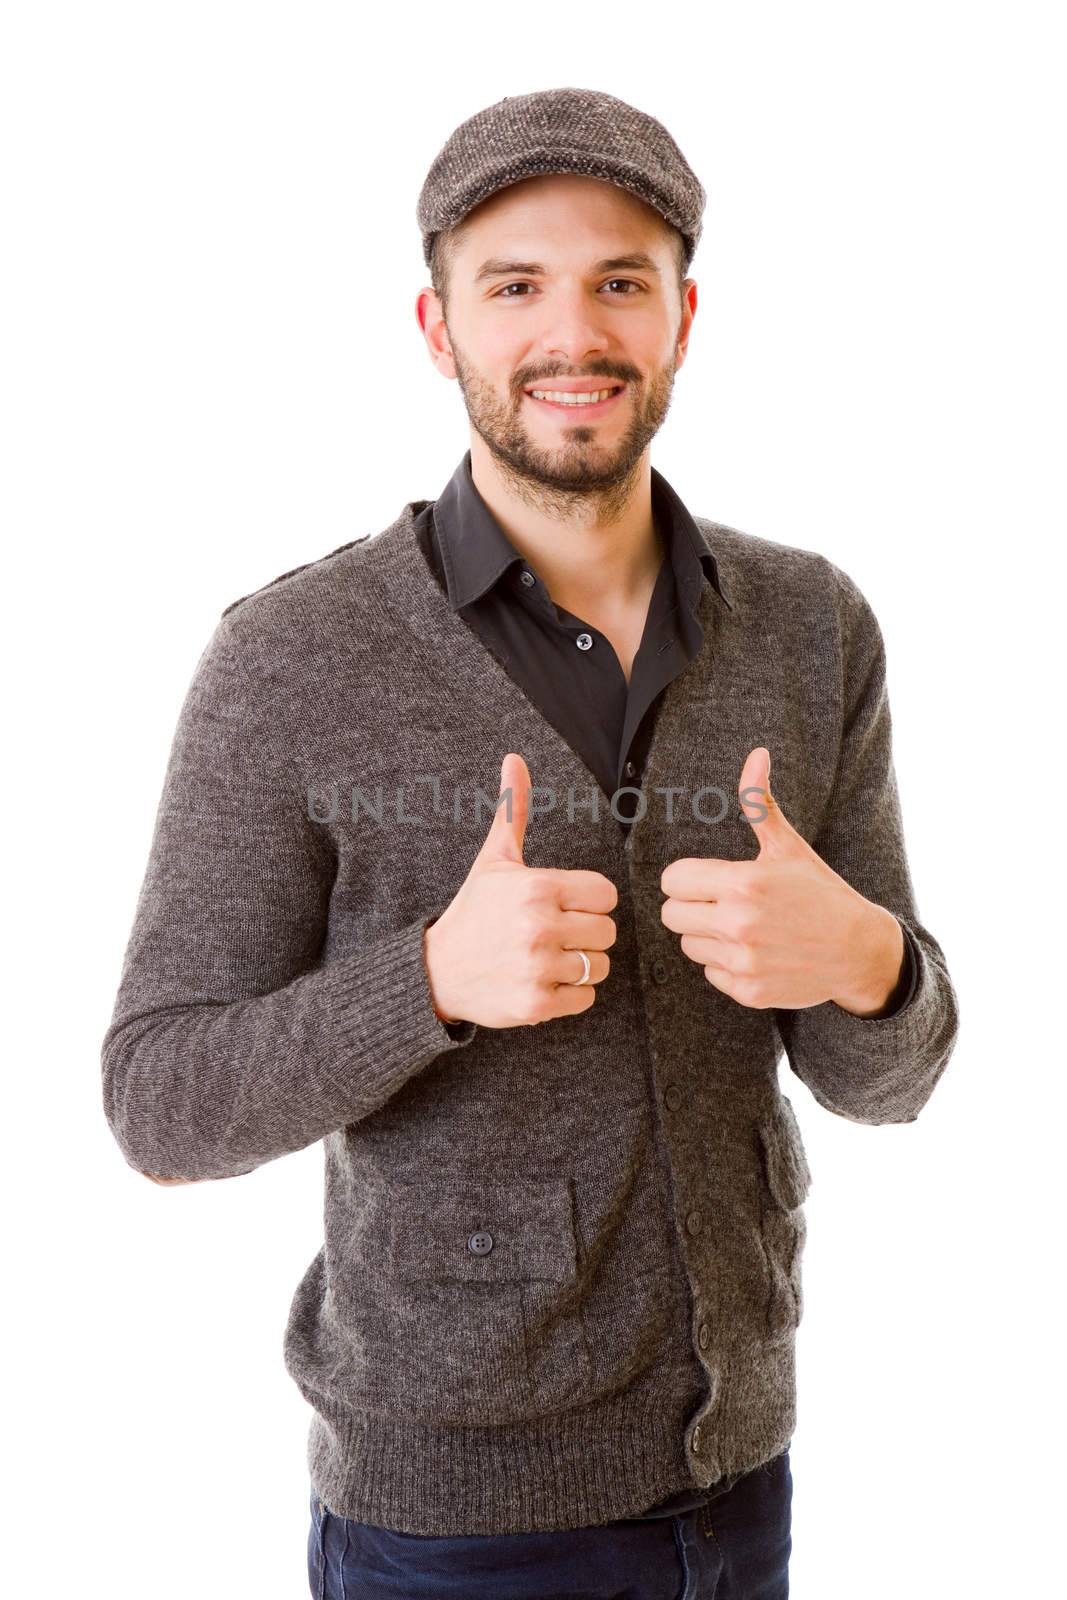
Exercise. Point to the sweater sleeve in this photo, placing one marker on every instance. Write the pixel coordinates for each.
(881, 1068)
(230, 1042)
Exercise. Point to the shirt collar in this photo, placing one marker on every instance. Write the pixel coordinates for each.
(476, 552)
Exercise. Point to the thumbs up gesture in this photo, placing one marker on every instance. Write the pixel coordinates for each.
(785, 929)
(505, 951)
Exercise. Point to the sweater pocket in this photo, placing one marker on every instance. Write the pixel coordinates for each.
(485, 1324)
(786, 1179)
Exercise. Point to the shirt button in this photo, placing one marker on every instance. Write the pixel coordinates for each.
(704, 1336)
(584, 641)
(673, 1097)
(480, 1244)
(630, 770)
(659, 971)
(693, 1221)
(528, 579)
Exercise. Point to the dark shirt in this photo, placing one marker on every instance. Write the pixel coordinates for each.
(567, 666)
(570, 670)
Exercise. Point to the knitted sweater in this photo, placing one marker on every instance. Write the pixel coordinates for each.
(561, 1269)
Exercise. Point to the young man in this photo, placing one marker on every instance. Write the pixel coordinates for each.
(549, 1338)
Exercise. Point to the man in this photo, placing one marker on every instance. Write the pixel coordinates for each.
(549, 1339)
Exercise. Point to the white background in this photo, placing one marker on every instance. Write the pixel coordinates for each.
(212, 372)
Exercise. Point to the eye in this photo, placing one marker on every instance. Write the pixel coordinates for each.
(502, 294)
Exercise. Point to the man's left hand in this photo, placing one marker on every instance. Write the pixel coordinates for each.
(785, 929)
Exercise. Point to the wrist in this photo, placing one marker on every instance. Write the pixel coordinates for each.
(430, 960)
(878, 951)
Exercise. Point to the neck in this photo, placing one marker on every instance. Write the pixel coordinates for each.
(590, 549)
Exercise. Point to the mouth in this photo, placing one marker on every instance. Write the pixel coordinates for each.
(582, 408)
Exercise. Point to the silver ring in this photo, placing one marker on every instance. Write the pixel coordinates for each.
(585, 975)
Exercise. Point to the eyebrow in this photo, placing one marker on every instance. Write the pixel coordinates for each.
(497, 268)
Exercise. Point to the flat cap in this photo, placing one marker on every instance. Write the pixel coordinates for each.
(560, 130)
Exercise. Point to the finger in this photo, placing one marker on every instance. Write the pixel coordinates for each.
(704, 917)
(769, 823)
(703, 877)
(586, 930)
(505, 838)
(569, 968)
(569, 999)
(718, 953)
(728, 983)
(578, 889)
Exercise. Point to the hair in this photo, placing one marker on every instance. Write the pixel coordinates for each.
(445, 244)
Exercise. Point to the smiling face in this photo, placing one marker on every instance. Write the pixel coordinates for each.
(562, 282)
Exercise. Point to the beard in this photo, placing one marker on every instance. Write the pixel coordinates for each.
(594, 466)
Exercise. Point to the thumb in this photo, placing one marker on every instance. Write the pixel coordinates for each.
(504, 841)
(758, 805)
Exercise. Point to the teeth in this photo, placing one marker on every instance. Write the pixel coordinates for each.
(572, 399)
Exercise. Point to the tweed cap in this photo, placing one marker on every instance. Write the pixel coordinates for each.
(560, 130)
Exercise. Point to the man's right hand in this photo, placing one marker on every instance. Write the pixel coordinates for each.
(505, 951)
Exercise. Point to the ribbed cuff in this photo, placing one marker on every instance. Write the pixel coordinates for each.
(380, 1013)
(889, 1029)
(884, 1068)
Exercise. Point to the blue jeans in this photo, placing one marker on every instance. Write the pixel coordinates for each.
(736, 1547)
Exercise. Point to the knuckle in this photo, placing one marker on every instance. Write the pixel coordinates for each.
(533, 1004)
(533, 890)
(531, 929)
(748, 992)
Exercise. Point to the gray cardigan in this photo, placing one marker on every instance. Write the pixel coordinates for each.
(561, 1269)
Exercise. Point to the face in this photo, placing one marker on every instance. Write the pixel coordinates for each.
(511, 328)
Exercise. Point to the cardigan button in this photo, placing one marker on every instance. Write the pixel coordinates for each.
(704, 1336)
(694, 1440)
(659, 971)
(673, 1096)
(480, 1244)
(694, 1221)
